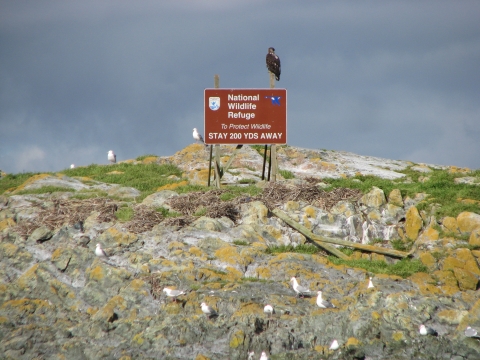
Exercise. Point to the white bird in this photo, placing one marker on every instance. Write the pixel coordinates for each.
(207, 310)
(112, 157)
(99, 251)
(471, 332)
(370, 284)
(264, 356)
(197, 136)
(251, 354)
(334, 345)
(322, 302)
(72, 166)
(268, 309)
(427, 330)
(173, 293)
(299, 289)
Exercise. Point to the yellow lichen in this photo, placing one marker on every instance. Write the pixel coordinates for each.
(97, 273)
(173, 185)
(237, 339)
(398, 336)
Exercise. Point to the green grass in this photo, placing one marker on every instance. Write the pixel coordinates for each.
(403, 268)
(301, 249)
(143, 157)
(45, 190)
(241, 243)
(287, 174)
(13, 180)
(167, 213)
(125, 213)
(441, 189)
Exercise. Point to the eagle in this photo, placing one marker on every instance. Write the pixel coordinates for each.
(273, 63)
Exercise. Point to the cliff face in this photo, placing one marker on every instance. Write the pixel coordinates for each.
(58, 300)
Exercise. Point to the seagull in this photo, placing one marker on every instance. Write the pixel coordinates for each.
(370, 284)
(264, 356)
(471, 332)
(173, 293)
(427, 331)
(251, 354)
(207, 310)
(268, 309)
(299, 289)
(323, 303)
(72, 166)
(112, 157)
(334, 345)
(197, 136)
(99, 251)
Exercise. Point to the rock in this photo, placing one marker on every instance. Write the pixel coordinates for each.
(395, 198)
(375, 198)
(413, 223)
(468, 221)
(42, 233)
(159, 199)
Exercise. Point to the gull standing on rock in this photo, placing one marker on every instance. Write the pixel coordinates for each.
(173, 293)
(334, 345)
(197, 136)
(99, 251)
(264, 356)
(268, 309)
(299, 289)
(370, 283)
(322, 302)
(112, 157)
(427, 331)
(471, 332)
(207, 310)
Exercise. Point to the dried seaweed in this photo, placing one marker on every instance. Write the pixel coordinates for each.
(68, 212)
(144, 219)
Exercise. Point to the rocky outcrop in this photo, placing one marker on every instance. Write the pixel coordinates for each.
(59, 301)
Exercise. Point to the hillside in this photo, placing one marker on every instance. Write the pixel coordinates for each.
(414, 229)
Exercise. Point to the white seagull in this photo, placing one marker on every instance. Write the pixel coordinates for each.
(173, 293)
(99, 251)
(370, 284)
(264, 356)
(197, 136)
(268, 309)
(427, 330)
(334, 345)
(112, 157)
(207, 310)
(322, 302)
(471, 332)
(72, 166)
(251, 354)
(299, 289)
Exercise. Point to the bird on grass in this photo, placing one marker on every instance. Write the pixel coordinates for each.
(173, 293)
(322, 302)
(273, 63)
(100, 252)
(300, 290)
(207, 310)
(424, 330)
(112, 157)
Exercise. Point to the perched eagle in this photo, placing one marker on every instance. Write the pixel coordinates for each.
(273, 63)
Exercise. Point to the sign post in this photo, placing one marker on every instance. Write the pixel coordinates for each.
(245, 116)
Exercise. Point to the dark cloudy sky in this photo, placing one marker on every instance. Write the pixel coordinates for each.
(393, 79)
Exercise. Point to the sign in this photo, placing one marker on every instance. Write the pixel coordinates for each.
(245, 116)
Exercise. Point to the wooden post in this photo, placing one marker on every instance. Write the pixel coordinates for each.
(264, 162)
(273, 148)
(216, 84)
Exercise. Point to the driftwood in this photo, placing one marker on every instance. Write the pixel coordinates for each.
(322, 240)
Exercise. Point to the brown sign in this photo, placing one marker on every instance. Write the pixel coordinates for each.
(245, 116)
